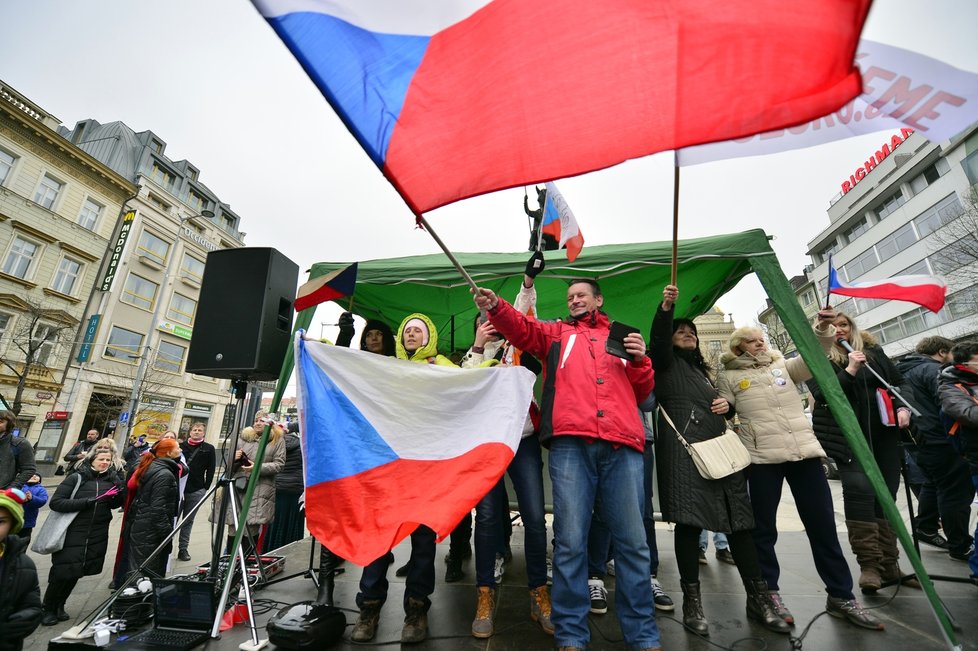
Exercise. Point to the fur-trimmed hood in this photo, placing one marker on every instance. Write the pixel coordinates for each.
(732, 361)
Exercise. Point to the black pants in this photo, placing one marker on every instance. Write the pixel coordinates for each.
(687, 543)
(858, 498)
(952, 481)
(813, 498)
(57, 593)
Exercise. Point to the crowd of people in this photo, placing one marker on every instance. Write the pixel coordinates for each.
(608, 418)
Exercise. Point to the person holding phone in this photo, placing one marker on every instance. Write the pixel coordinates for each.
(590, 422)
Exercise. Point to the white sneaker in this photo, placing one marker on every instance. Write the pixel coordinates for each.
(599, 596)
(610, 567)
(500, 568)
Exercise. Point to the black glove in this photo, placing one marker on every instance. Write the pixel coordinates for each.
(535, 264)
(346, 322)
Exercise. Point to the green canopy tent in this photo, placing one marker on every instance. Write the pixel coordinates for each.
(632, 277)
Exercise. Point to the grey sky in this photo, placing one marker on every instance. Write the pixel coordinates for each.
(213, 80)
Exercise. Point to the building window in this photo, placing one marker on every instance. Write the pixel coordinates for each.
(953, 257)
(181, 309)
(153, 247)
(196, 201)
(962, 303)
(6, 164)
(48, 191)
(20, 257)
(228, 222)
(857, 229)
(895, 242)
(44, 333)
(90, 213)
(162, 176)
(123, 345)
(925, 178)
(908, 324)
(808, 298)
(170, 357)
(139, 292)
(946, 210)
(5, 322)
(890, 204)
(192, 267)
(156, 146)
(859, 265)
(847, 306)
(866, 304)
(66, 276)
(916, 269)
(159, 203)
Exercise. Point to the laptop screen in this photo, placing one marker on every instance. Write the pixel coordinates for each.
(182, 603)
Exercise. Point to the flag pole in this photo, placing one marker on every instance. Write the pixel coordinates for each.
(458, 265)
(675, 220)
(543, 213)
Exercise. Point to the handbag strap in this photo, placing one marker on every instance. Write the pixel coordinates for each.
(684, 442)
(77, 486)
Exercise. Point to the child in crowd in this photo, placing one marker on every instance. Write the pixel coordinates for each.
(37, 496)
(20, 599)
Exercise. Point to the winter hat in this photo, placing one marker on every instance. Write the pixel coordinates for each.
(419, 323)
(12, 499)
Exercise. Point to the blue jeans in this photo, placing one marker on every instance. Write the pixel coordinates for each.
(582, 470)
(599, 537)
(526, 471)
(420, 581)
(719, 540)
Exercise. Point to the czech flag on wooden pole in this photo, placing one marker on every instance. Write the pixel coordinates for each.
(926, 291)
(390, 444)
(335, 284)
(456, 98)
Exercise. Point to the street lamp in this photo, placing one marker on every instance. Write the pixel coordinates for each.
(122, 432)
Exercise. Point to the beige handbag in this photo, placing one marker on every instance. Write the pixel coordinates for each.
(717, 457)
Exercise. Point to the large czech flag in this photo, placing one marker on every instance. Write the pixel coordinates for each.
(926, 291)
(390, 444)
(454, 98)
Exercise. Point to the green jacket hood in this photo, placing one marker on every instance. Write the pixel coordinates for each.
(427, 351)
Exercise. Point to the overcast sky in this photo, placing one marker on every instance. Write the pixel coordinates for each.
(212, 79)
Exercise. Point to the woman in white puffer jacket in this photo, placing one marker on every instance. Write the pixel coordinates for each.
(760, 385)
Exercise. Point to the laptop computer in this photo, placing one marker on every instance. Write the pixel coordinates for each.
(183, 616)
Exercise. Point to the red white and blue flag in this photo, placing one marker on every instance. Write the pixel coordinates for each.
(455, 98)
(927, 291)
(389, 444)
(559, 222)
(329, 287)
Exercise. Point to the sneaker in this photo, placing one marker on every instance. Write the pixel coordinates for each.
(962, 555)
(550, 571)
(366, 627)
(724, 556)
(662, 601)
(184, 555)
(779, 607)
(541, 609)
(598, 595)
(610, 567)
(702, 557)
(934, 539)
(499, 569)
(482, 626)
(850, 610)
(415, 622)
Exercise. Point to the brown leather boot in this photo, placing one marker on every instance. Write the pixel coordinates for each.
(760, 607)
(890, 563)
(864, 537)
(415, 622)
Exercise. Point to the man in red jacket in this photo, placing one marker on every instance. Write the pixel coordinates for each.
(591, 424)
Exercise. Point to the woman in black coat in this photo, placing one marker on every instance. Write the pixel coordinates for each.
(289, 523)
(872, 539)
(101, 488)
(685, 392)
(150, 517)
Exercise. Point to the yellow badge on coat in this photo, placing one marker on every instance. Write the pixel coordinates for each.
(744, 384)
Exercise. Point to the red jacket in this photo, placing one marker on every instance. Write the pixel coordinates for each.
(586, 391)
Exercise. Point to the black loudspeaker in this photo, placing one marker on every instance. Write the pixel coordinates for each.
(244, 315)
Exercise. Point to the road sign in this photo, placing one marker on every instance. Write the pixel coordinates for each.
(124, 417)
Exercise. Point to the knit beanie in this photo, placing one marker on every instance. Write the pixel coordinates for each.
(12, 499)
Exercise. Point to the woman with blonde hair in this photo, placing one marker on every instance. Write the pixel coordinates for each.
(872, 539)
(760, 384)
(242, 461)
(150, 517)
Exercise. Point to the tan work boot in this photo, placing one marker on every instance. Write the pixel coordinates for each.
(415, 622)
(482, 626)
(540, 608)
(366, 627)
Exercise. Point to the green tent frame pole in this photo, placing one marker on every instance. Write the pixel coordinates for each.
(796, 323)
(302, 322)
